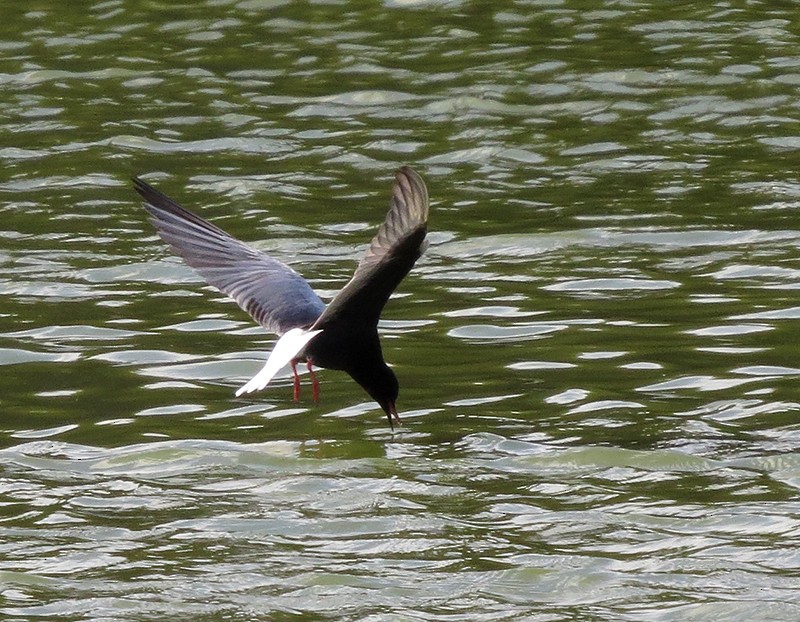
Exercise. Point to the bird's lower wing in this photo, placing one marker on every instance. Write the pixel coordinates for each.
(286, 349)
(275, 296)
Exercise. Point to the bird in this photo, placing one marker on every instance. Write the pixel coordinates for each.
(341, 335)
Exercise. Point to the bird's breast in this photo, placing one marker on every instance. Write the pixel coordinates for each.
(340, 349)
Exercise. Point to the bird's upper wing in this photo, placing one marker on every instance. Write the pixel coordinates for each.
(276, 296)
(398, 244)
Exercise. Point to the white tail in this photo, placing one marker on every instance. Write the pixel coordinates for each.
(287, 348)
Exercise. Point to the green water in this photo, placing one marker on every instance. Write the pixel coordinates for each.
(598, 354)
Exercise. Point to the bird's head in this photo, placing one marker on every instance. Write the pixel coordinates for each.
(382, 386)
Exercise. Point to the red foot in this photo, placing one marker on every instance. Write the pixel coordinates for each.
(314, 383)
(296, 381)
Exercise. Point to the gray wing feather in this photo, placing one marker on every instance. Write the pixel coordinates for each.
(275, 296)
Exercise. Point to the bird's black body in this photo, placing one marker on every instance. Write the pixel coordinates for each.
(280, 299)
(358, 352)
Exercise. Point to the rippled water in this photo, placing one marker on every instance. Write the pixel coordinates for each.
(598, 355)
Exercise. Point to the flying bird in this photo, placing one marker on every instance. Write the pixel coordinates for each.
(342, 335)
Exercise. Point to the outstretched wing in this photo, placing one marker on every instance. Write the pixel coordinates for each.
(398, 244)
(275, 296)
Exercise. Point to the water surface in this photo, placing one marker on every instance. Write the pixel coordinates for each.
(598, 354)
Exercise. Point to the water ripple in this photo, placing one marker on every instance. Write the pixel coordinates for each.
(596, 355)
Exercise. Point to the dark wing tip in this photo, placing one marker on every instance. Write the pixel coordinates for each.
(153, 196)
(149, 194)
(142, 187)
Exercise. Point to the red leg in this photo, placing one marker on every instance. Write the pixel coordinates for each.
(314, 383)
(296, 381)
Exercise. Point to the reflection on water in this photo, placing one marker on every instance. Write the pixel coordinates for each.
(598, 352)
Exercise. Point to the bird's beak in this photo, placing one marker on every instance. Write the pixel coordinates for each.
(392, 416)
